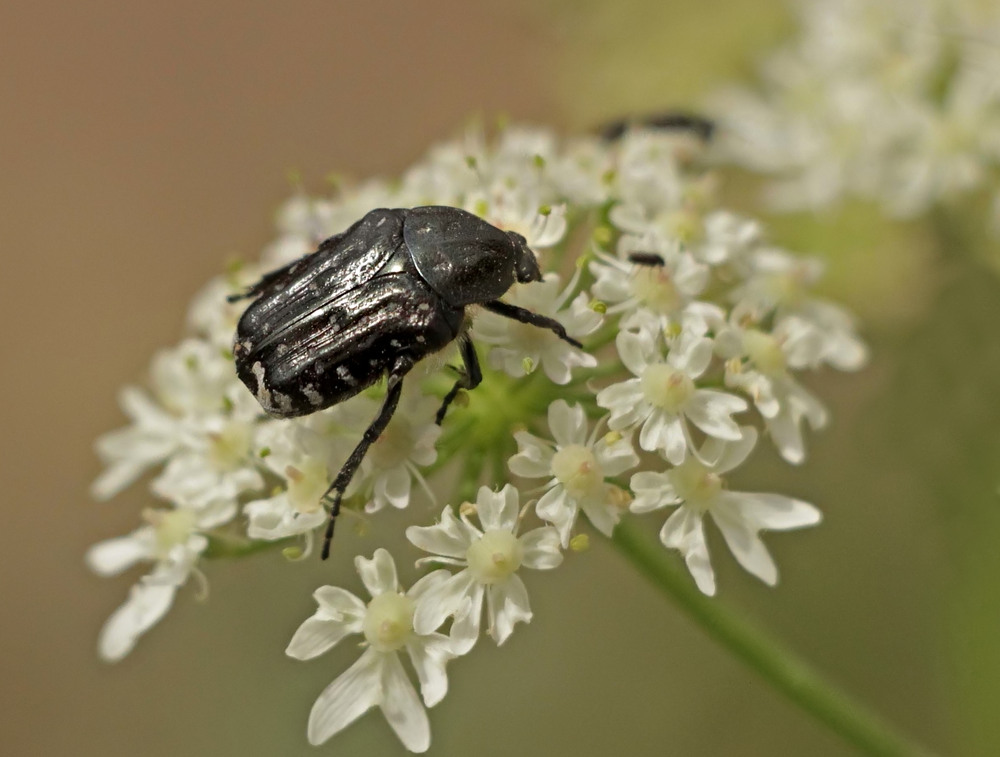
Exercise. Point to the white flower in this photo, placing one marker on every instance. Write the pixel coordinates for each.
(517, 348)
(893, 101)
(664, 395)
(490, 558)
(128, 452)
(578, 465)
(663, 290)
(778, 285)
(377, 679)
(173, 542)
(697, 489)
(390, 467)
(758, 363)
(301, 455)
(216, 461)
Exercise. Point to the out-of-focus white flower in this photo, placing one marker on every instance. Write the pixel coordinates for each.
(378, 678)
(490, 559)
(892, 101)
(173, 542)
(697, 488)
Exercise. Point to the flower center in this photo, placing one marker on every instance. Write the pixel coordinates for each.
(172, 527)
(306, 485)
(494, 556)
(577, 470)
(654, 287)
(765, 352)
(388, 622)
(665, 387)
(229, 447)
(696, 484)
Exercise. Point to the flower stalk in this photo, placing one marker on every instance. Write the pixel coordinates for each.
(779, 666)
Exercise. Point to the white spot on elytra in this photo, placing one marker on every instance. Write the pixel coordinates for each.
(423, 306)
(263, 394)
(281, 349)
(284, 401)
(420, 339)
(345, 375)
(315, 398)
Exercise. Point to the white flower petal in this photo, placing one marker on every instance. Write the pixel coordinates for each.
(556, 507)
(541, 548)
(465, 627)
(316, 635)
(430, 654)
(774, 512)
(497, 510)
(710, 411)
(379, 573)
(111, 556)
(685, 531)
(146, 605)
(443, 599)
(354, 692)
(567, 424)
(402, 707)
(652, 491)
(533, 458)
(507, 604)
(451, 537)
(602, 515)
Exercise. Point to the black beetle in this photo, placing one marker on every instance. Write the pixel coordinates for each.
(671, 120)
(371, 302)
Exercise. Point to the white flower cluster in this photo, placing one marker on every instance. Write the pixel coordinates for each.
(895, 101)
(694, 330)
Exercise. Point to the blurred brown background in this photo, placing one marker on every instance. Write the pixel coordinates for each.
(143, 146)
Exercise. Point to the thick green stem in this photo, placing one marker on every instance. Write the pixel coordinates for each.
(779, 666)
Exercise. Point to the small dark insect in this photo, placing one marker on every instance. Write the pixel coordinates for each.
(371, 302)
(647, 258)
(672, 120)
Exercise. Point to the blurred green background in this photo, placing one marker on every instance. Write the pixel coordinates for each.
(146, 144)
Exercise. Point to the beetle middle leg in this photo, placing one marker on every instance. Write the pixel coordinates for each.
(470, 378)
(336, 491)
(534, 319)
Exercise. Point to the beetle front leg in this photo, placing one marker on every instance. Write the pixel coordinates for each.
(534, 319)
(335, 493)
(471, 377)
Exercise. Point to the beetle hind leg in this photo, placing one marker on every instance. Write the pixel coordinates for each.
(470, 378)
(534, 319)
(335, 493)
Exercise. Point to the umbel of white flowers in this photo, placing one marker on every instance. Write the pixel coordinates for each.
(894, 101)
(691, 355)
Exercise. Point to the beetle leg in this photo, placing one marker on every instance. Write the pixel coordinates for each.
(534, 319)
(335, 493)
(470, 378)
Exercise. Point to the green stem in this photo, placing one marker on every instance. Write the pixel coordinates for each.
(778, 665)
(228, 546)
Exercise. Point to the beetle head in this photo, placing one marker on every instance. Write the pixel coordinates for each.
(525, 264)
